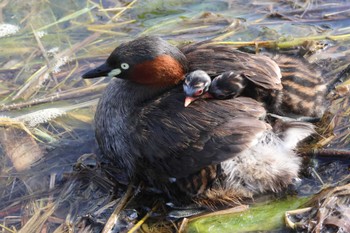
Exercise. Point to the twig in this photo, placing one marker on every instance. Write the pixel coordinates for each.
(287, 214)
(63, 96)
(341, 153)
(284, 44)
(41, 46)
(124, 9)
(336, 13)
(142, 221)
(32, 79)
(68, 17)
(8, 122)
(6, 228)
(120, 206)
(183, 225)
(317, 175)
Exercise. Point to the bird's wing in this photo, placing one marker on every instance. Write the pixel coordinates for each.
(179, 141)
(216, 59)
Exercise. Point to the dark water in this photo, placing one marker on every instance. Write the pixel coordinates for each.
(66, 137)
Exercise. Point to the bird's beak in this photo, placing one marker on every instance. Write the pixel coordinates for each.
(189, 100)
(102, 70)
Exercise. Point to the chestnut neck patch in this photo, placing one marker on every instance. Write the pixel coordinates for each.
(164, 70)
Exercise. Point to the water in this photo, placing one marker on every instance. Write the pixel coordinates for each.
(53, 42)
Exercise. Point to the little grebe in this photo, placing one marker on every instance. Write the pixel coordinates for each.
(198, 84)
(213, 150)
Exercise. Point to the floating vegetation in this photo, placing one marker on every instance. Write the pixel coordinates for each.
(329, 211)
(8, 29)
(50, 181)
(263, 217)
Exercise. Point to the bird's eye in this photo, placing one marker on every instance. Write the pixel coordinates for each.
(124, 66)
(199, 92)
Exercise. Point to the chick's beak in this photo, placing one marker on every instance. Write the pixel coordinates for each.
(100, 71)
(189, 100)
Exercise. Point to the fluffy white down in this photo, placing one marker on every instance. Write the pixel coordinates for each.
(269, 165)
(294, 135)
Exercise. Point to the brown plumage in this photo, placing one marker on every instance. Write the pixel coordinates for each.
(304, 88)
(303, 94)
(216, 59)
(190, 153)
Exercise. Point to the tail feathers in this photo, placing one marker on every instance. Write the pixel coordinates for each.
(292, 132)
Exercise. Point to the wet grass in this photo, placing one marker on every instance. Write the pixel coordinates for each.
(49, 181)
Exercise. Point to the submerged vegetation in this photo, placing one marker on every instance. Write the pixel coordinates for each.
(52, 178)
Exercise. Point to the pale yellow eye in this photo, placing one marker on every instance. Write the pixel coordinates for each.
(124, 66)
